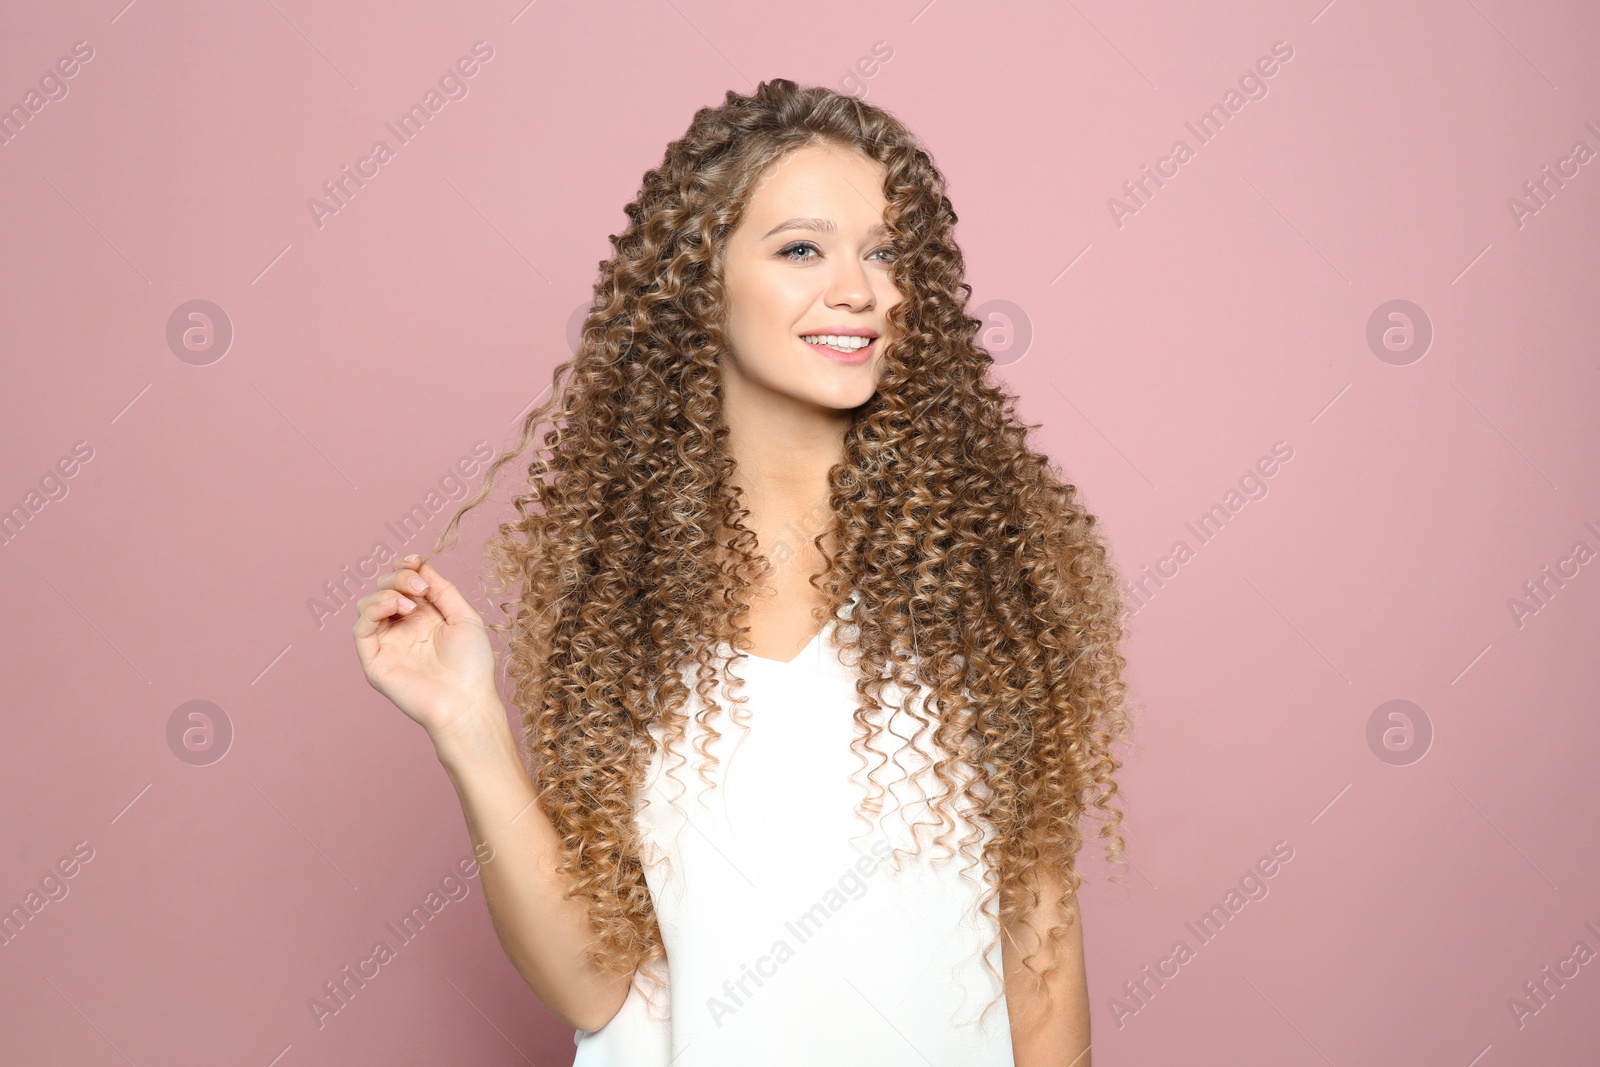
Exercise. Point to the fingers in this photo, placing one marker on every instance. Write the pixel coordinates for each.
(396, 595)
(405, 579)
(441, 592)
(395, 584)
(374, 608)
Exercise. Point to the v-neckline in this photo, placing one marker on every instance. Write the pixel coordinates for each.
(798, 656)
(802, 654)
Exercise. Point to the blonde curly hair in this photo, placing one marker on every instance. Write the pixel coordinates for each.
(979, 574)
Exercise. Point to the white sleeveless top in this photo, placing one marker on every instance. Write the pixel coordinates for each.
(790, 939)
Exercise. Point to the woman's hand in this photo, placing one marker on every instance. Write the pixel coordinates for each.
(427, 651)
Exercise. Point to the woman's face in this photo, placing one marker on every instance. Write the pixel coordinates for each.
(809, 257)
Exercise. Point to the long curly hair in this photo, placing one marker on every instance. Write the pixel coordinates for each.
(977, 571)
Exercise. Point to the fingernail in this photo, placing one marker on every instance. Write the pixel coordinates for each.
(419, 585)
(406, 603)
(412, 559)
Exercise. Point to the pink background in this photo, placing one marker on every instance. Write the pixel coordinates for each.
(1167, 356)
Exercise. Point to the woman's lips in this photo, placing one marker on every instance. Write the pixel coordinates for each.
(853, 358)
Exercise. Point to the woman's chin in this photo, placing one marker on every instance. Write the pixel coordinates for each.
(842, 397)
(835, 389)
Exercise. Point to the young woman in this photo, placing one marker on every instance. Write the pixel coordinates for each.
(779, 420)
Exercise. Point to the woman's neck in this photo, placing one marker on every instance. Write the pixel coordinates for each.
(783, 459)
(783, 452)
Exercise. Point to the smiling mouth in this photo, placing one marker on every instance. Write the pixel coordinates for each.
(844, 349)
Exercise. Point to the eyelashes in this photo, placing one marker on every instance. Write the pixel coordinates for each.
(788, 251)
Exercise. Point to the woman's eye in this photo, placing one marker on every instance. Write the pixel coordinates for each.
(791, 252)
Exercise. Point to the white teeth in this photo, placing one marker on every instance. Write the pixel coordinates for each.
(839, 344)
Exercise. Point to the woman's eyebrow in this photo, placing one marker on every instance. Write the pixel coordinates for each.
(820, 226)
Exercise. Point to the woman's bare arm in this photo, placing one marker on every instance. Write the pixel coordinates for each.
(1057, 1036)
(544, 933)
(428, 652)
